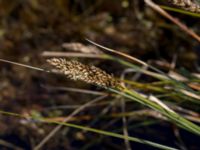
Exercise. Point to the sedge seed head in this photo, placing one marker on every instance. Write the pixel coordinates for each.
(89, 74)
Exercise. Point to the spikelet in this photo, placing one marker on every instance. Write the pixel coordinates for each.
(89, 74)
(190, 5)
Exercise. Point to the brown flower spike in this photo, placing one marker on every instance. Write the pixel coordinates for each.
(191, 5)
(90, 74)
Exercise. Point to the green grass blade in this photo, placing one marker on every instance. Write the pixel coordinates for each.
(180, 11)
(174, 117)
(102, 132)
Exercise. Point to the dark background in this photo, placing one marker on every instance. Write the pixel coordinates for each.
(29, 27)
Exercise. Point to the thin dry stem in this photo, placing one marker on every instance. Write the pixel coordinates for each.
(57, 128)
(71, 54)
(174, 20)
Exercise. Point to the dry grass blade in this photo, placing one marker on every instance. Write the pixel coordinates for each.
(125, 125)
(190, 94)
(174, 20)
(79, 47)
(23, 65)
(128, 57)
(71, 54)
(56, 129)
(9, 145)
(77, 90)
(119, 53)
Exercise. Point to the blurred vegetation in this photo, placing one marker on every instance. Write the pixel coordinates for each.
(30, 27)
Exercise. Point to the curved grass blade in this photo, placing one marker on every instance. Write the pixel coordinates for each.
(102, 132)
